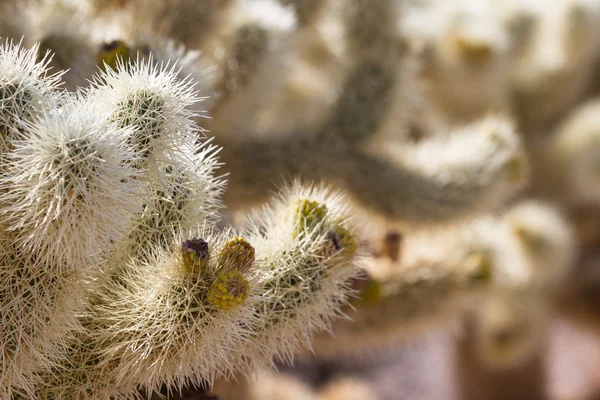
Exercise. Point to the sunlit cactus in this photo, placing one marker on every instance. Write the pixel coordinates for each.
(109, 251)
(133, 125)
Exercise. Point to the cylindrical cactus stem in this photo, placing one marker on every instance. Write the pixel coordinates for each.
(442, 179)
(371, 28)
(363, 104)
(179, 195)
(402, 305)
(70, 176)
(206, 310)
(26, 91)
(153, 101)
(309, 249)
(38, 302)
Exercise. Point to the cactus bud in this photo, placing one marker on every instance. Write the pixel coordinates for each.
(478, 268)
(515, 169)
(345, 239)
(110, 53)
(195, 255)
(228, 291)
(309, 214)
(237, 252)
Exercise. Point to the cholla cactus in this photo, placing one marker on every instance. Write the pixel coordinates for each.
(572, 156)
(554, 51)
(111, 266)
(119, 279)
(539, 255)
(464, 58)
(27, 90)
(501, 272)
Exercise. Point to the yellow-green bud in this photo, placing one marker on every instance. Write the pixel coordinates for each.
(228, 291)
(237, 252)
(110, 53)
(346, 240)
(368, 289)
(530, 240)
(473, 51)
(478, 268)
(195, 255)
(515, 169)
(309, 214)
(371, 293)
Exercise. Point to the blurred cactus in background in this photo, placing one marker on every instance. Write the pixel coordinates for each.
(434, 164)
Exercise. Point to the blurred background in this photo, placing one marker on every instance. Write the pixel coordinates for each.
(345, 91)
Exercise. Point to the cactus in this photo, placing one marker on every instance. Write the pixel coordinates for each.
(554, 53)
(109, 252)
(120, 278)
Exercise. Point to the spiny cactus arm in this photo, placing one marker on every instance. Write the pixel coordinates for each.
(180, 194)
(68, 177)
(252, 30)
(378, 78)
(38, 302)
(159, 321)
(179, 167)
(152, 100)
(442, 179)
(214, 306)
(409, 299)
(371, 28)
(26, 90)
(175, 317)
(310, 249)
(495, 261)
(573, 154)
(364, 102)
